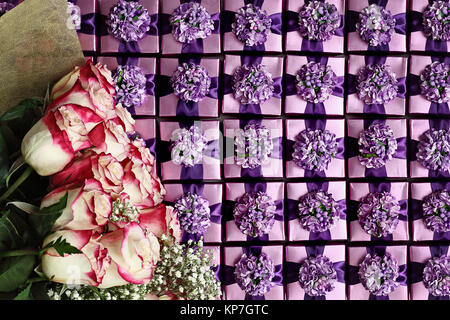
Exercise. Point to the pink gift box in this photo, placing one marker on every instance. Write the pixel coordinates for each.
(359, 190)
(146, 129)
(397, 8)
(399, 67)
(336, 167)
(337, 189)
(212, 193)
(272, 106)
(273, 168)
(169, 45)
(171, 106)
(417, 128)
(235, 190)
(294, 40)
(356, 255)
(209, 169)
(294, 104)
(418, 192)
(232, 255)
(148, 44)
(148, 66)
(394, 168)
(87, 31)
(296, 255)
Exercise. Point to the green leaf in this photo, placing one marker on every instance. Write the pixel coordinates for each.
(4, 160)
(61, 246)
(23, 108)
(25, 294)
(14, 271)
(10, 231)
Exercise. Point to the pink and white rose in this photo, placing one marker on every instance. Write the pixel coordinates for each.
(161, 220)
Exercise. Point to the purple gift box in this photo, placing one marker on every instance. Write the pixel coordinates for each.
(419, 191)
(170, 105)
(418, 103)
(274, 66)
(418, 127)
(236, 190)
(148, 44)
(295, 257)
(336, 167)
(395, 167)
(399, 190)
(419, 257)
(356, 255)
(272, 168)
(294, 104)
(397, 9)
(233, 254)
(273, 10)
(170, 45)
(148, 67)
(146, 129)
(399, 67)
(207, 169)
(87, 11)
(213, 194)
(294, 41)
(337, 190)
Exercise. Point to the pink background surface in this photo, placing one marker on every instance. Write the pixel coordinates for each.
(419, 230)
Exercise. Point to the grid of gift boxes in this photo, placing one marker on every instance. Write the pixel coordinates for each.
(226, 96)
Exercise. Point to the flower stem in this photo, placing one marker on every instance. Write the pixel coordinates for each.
(16, 184)
(18, 253)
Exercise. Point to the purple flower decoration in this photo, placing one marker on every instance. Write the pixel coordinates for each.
(377, 84)
(436, 276)
(253, 146)
(318, 20)
(188, 146)
(436, 20)
(379, 274)
(318, 211)
(376, 25)
(378, 214)
(315, 82)
(131, 85)
(74, 12)
(191, 82)
(251, 25)
(5, 7)
(254, 274)
(317, 276)
(435, 82)
(254, 214)
(377, 145)
(314, 149)
(252, 84)
(436, 211)
(191, 21)
(128, 21)
(434, 150)
(193, 213)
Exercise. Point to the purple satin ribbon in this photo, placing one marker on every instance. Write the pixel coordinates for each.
(151, 145)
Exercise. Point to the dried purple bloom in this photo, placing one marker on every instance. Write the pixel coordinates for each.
(315, 82)
(191, 21)
(193, 213)
(436, 276)
(252, 84)
(251, 25)
(253, 146)
(378, 213)
(436, 20)
(128, 21)
(434, 150)
(74, 12)
(314, 149)
(318, 211)
(5, 7)
(317, 276)
(254, 213)
(377, 84)
(376, 25)
(379, 274)
(436, 211)
(435, 82)
(318, 20)
(191, 82)
(377, 145)
(188, 146)
(131, 85)
(254, 274)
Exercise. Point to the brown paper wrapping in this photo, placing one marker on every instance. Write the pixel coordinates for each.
(37, 48)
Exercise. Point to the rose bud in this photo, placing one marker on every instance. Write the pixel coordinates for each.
(161, 220)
